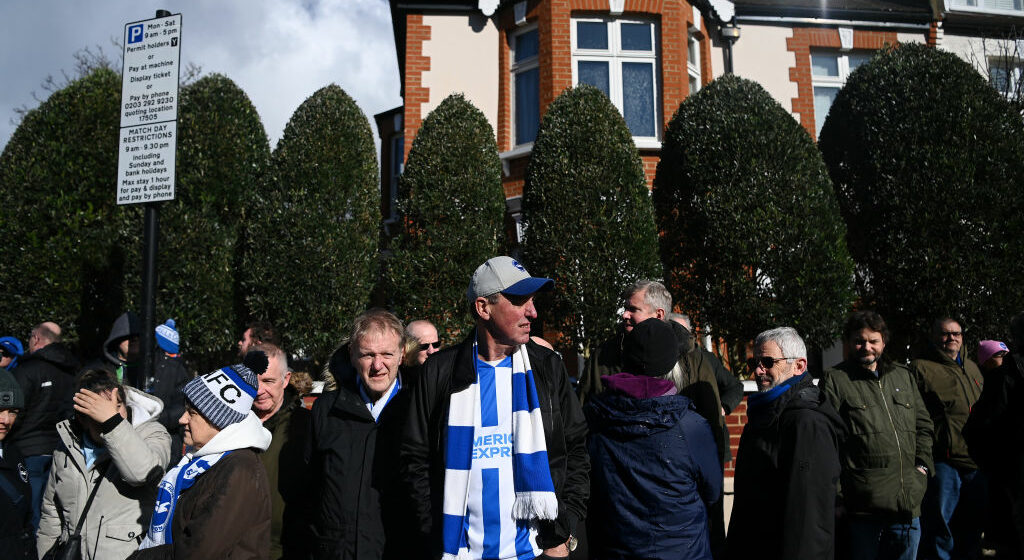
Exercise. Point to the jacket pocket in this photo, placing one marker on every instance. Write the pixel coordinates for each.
(123, 533)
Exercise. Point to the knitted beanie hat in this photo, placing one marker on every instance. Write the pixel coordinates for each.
(225, 396)
(12, 345)
(11, 395)
(989, 348)
(650, 349)
(167, 337)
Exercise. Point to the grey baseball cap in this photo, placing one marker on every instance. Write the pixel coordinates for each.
(505, 275)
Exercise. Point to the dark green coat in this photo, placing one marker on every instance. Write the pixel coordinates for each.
(949, 391)
(889, 435)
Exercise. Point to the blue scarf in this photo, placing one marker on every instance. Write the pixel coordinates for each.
(176, 481)
(760, 400)
(535, 492)
(377, 407)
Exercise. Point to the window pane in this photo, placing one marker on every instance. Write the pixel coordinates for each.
(693, 52)
(858, 58)
(694, 85)
(591, 35)
(636, 36)
(595, 74)
(999, 77)
(638, 97)
(527, 105)
(825, 64)
(526, 45)
(823, 98)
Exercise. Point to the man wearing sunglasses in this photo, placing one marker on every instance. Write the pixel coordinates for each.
(425, 333)
(950, 384)
(888, 454)
(787, 466)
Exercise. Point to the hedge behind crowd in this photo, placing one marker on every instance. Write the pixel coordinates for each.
(450, 210)
(928, 161)
(588, 215)
(222, 152)
(312, 245)
(58, 179)
(751, 232)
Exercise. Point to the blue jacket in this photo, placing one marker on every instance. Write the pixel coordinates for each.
(654, 471)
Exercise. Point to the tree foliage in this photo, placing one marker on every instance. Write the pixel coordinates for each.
(751, 233)
(927, 161)
(590, 223)
(450, 210)
(58, 178)
(222, 153)
(312, 244)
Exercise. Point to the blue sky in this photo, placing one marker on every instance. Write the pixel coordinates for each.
(278, 51)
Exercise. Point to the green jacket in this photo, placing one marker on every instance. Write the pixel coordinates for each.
(889, 435)
(949, 391)
(283, 463)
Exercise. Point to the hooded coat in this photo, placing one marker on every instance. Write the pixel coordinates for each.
(16, 532)
(787, 471)
(949, 390)
(654, 471)
(47, 378)
(137, 451)
(226, 512)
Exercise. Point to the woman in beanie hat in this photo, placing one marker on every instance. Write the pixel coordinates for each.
(654, 463)
(216, 502)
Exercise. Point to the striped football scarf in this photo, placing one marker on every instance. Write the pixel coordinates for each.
(535, 492)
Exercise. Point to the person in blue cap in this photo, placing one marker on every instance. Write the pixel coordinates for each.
(10, 350)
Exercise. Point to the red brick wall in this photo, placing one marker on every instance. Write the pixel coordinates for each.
(415, 65)
(735, 423)
(806, 38)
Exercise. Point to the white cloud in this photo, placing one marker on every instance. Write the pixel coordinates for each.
(278, 51)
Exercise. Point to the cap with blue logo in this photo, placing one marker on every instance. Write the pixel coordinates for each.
(507, 276)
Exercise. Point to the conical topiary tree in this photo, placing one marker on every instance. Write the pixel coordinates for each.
(928, 161)
(311, 258)
(222, 153)
(61, 261)
(751, 233)
(450, 207)
(589, 220)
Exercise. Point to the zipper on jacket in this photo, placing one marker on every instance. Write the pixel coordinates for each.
(895, 432)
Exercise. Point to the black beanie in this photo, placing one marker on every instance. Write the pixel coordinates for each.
(650, 349)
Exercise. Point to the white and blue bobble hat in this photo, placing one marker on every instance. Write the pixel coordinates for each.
(167, 337)
(225, 396)
(507, 276)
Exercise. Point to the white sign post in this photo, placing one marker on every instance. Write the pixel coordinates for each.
(149, 110)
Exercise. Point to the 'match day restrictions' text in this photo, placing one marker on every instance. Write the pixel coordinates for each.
(149, 110)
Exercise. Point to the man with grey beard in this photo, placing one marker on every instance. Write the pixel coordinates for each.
(787, 466)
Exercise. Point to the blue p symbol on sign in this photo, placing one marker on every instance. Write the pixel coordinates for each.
(135, 33)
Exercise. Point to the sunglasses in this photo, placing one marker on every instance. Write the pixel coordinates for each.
(434, 345)
(767, 362)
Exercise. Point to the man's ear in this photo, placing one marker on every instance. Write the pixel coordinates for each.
(659, 313)
(801, 366)
(287, 377)
(482, 308)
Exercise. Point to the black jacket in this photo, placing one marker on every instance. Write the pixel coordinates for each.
(992, 432)
(47, 377)
(422, 450)
(352, 477)
(787, 470)
(17, 540)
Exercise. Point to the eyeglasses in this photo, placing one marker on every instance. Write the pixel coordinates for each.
(767, 362)
(953, 334)
(434, 345)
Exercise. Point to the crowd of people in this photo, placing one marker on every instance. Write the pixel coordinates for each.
(485, 449)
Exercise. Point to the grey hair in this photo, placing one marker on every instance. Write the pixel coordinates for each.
(376, 320)
(787, 339)
(491, 299)
(273, 351)
(681, 318)
(676, 376)
(656, 296)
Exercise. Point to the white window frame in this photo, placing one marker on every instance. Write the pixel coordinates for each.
(1014, 68)
(693, 67)
(986, 6)
(615, 56)
(832, 82)
(514, 69)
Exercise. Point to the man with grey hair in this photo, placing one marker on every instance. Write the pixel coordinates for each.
(787, 466)
(349, 501)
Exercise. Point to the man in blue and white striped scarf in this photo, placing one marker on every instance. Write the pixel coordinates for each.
(494, 449)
